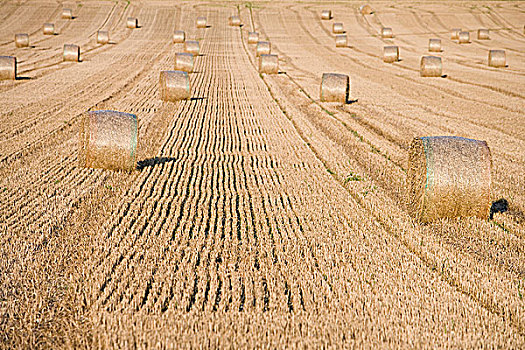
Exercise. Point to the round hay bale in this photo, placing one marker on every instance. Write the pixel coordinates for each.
(102, 37)
(448, 177)
(174, 85)
(269, 64)
(21, 40)
(483, 34)
(326, 15)
(49, 29)
(71, 52)
(7, 68)
(67, 14)
(387, 32)
(132, 23)
(263, 48)
(366, 10)
(108, 140)
(341, 40)
(179, 36)
(390, 54)
(184, 62)
(234, 21)
(202, 22)
(335, 87)
(434, 45)
(253, 37)
(454, 35)
(464, 37)
(337, 28)
(497, 58)
(192, 46)
(431, 66)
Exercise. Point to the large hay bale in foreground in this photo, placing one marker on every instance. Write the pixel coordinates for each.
(7, 68)
(192, 46)
(497, 58)
(102, 37)
(234, 21)
(335, 87)
(179, 36)
(48, 29)
(21, 40)
(434, 45)
(448, 177)
(337, 28)
(253, 37)
(390, 54)
(341, 40)
(184, 62)
(67, 14)
(108, 140)
(71, 52)
(454, 34)
(263, 48)
(326, 15)
(132, 23)
(174, 85)
(387, 33)
(431, 66)
(366, 10)
(464, 37)
(269, 64)
(483, 34)
(202, 22)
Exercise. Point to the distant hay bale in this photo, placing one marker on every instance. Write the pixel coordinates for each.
(192, 46)
(431, 66)
(335, 87)
(263, 48)
(102, 37)
(337, 28)
(21, 40)
(448, 177)
(464, 37)
(7, 68)
(366, 10)
(202, 22)
(341, 40)
(387, 32)
(179, 36)
(108, 140)
(184, 62)
(71, 52)
(269, 64)
(253, 37)
(67, 14)
(174, 85)
(132, 23)
(326, 15)
(497, 58)
(454, 35)
(483, 34)
(434, 45)
(234, 21)
(49, 29)
(390, 54)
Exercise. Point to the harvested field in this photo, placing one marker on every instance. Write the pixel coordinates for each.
(255, 214)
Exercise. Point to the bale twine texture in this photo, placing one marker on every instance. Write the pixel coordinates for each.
(234, 21)
(434, 45)
(483, 34)
(448, 177)
(174, 85)
(431, 66)
(253, 37)
(108, 140)
(21, 40)
(269, 64)
(184, 62)
(71, 52)
(7, 68)
(102, 37)
(464, 37)
(192, 46)
(179, 36)
(263, 48)
(387, 32)
(390, 54)
(341, 40)
(454, 35)
(67, 14)
(335, 87)
(337, 28)
(366, 10)
(132, 22)
(49, 29)
(202, 22)
(326, 15)
(497, 58)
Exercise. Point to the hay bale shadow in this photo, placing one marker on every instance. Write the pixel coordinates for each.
(23, 78)
(197, 98)
(499, 206)
(150, 162)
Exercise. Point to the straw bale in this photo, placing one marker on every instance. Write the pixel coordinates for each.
(71, 52)
(337, 28)
(341, 40)
(67, 14)
(184, 62)
(326, 15)
(253, 37)
(7, 68)
(431, 66)
(497, 58)
(263, 48)
(387, 32)
(448, 177)
(102, 37)
(390, 54)
(366, 10)
(269, 64)
(108, 140)
(49, 29)
(174, 85)
(335, 87)
(179, 36)
(132, 22)
(21, 40)
(483, 34)
(192, 46)
(234, 21)
(434, 45)
(202, 22)
(454, 35)
(464, 37)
